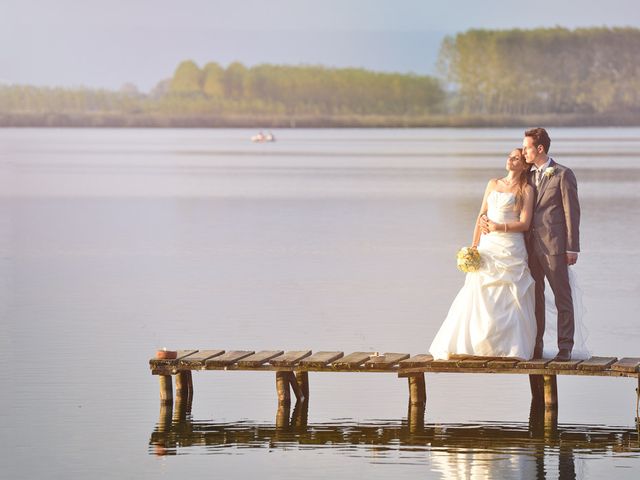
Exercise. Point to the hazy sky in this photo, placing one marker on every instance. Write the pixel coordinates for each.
(101, 43)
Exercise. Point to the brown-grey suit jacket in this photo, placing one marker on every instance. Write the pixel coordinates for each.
(555, 227)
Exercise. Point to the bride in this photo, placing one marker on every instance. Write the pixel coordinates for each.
(493, 315)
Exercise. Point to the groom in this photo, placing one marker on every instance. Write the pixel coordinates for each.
(553, 239)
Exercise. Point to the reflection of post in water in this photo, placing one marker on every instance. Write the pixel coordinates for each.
(160, 437)
(415, 417)
(298, 419)
(182, 408)
(543, 422)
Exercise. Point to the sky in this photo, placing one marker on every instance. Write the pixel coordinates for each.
(104, 44)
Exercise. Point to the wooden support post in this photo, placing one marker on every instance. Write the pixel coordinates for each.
(537, 390)
(293, 383)
(166, 389)
(417, 389)
(638, 405)
(550, 392)
(282, 386)
(182, 384)
(302, 379)
(190, 381)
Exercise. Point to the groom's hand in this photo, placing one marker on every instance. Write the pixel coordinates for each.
(572, 258)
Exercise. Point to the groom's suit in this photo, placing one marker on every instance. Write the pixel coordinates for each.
(554, 231)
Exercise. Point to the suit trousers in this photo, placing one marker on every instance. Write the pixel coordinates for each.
(556, 270)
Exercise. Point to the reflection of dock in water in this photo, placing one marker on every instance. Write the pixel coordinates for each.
(176, 432)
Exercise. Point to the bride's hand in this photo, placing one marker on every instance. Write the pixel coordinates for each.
(485, 224)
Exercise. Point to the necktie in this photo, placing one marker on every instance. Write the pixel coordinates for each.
(538, 177)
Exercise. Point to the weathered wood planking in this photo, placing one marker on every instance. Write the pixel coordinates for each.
(393, 362)
(228, 358)
(503, 363)
(289, 359)
(197, 359)
(473, 363)
(563, 365)
(320, 359)
(387, 360)
(597, 363)
(353, 360)
(259, 358)
(421, 360)
(626, 364)
(534, 364)
(436, 364)
(154, 362)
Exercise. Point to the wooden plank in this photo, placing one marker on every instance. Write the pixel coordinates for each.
(626, 364)
(451, 363)
(568, 365)
(503, 363)
(352, 360)
(421, 360)
(259, 358)
(289, 359)
(386, 360)
(320, 359)
(170, 362)
(532, 364)
(198, 358)
(597, 363)
(228, 358)
(473, 363)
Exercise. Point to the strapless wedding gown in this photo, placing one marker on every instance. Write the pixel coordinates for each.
(494, 313)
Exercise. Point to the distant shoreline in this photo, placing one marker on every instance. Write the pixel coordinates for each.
(115, 120)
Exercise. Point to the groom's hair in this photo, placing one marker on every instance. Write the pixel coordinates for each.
(540, 137)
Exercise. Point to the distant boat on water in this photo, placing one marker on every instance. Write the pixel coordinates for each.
(262, 138)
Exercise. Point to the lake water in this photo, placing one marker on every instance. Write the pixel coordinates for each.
(114, 243)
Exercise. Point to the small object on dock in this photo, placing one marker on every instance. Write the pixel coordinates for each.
(165, 354)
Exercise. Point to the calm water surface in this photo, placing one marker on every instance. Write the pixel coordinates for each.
(114, 243)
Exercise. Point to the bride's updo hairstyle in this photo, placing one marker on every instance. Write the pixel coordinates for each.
(521, 183)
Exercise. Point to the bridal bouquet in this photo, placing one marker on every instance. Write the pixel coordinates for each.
(468, 259)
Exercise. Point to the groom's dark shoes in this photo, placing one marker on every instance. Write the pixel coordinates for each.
(564, 355)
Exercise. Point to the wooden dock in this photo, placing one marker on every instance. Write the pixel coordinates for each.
(292, 370)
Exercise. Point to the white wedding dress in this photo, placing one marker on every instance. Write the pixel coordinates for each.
(493, 315)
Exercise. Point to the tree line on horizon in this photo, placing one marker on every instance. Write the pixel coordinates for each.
(546, 70)
(482, 72)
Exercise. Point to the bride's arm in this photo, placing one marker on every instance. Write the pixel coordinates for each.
(483, 210)
(523, 224)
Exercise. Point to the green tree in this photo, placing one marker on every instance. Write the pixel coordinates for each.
(187, 79)
(213, 85)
